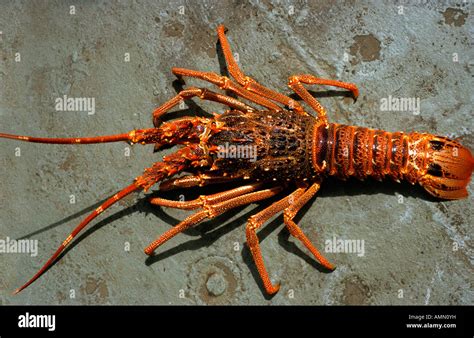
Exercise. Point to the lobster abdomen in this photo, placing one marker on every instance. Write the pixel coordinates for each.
(363, 152)
(441, 165)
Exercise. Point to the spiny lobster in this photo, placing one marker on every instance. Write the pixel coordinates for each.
(292, 149)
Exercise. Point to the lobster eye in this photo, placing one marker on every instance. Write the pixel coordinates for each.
(435, 170)
(436, 145)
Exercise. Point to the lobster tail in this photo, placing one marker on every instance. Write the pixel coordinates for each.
(362, 152)
(449, 168)
(441, 165)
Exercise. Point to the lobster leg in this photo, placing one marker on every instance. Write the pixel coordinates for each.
(226, 84)
(203, 201)
(172, 164)
(249, 83)
(291, 212)
(295, 83)
(203, 94)
(255, 222)
(211, 212)
(189, 181)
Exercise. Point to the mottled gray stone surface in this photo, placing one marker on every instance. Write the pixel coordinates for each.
(387, 50)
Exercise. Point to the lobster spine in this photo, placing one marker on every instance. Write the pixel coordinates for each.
(363, 152)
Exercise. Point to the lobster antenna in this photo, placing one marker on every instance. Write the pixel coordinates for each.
(132, 137)
(117, 197)
(69, 140)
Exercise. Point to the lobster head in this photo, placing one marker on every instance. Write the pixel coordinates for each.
(449, 168)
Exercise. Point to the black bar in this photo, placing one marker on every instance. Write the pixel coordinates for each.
(240, 320)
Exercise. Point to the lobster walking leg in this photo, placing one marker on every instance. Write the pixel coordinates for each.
(203, 201)
(295, 230)
(202, 93)
(295, 83)
(211, 212)
(226, 84)
(255, 222)
(172, 164)
(249, 83)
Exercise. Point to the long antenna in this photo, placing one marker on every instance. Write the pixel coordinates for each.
(118, 196)
(129, 137)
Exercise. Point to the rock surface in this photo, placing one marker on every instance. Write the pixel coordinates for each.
(417, 250)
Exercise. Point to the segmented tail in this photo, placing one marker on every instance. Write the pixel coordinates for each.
(441, 165)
